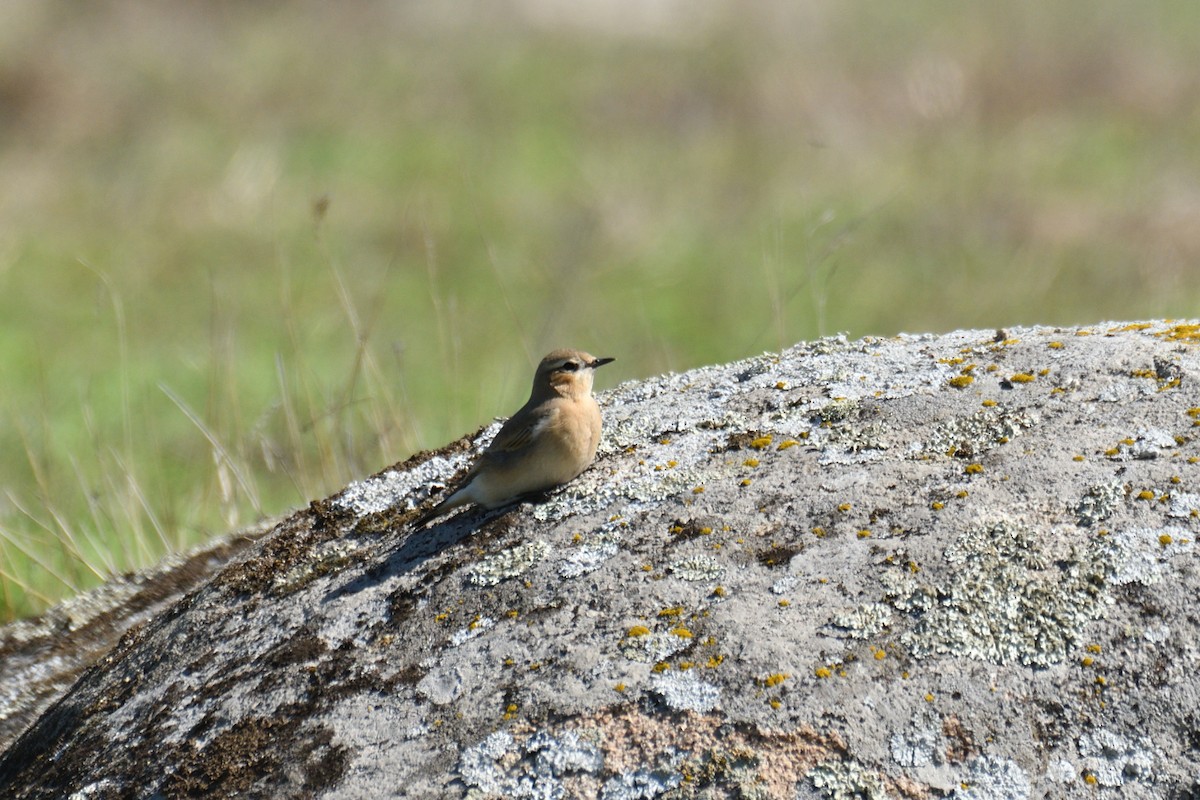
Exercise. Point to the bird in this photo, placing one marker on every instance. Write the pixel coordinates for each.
(548, 442)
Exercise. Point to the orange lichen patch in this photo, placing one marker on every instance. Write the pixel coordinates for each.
(630, 738)
(962, 742)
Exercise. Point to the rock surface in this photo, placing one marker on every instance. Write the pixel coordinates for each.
(924, 566)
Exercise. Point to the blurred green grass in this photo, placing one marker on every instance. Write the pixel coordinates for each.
(249, 252)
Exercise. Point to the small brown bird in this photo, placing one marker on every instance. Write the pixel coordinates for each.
(548, 442)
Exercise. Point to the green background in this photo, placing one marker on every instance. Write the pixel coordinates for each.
(251, 251)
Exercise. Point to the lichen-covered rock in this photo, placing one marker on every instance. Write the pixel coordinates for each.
(958, 565)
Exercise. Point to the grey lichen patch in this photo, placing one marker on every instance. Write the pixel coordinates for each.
(988, 778)
(536, 768)
(970, 437)
(1005, 600)
(847, 780)
(1143, 555)
(326, 558)
(405, 488)
(683, 691)
(1184, 505)
(864, 622)
(589, 556)
(653, 647)
(507, 564)
(919, 745)
(1099, 503)
(697, 568)
(1114, 759)
(643, 783)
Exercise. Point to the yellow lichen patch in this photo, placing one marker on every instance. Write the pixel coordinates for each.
(1165, 539)
(750, 462)
(952, 361)
(1022, 377)
(864, 534)
(720, 591)
(1087, 661)
(1093, 648)
(661, 666)
(638, 630)
(1055, 345)
(937, 505)
(988, 403)
(961, 381)
(822, 672)
(698, 490)
(961, 494)
(929, 698)
(786, 443)
(1078, 458)
(762, 442)
(844, 507)
(1145, 494)
(1043, 373)
(879, 654)
(1181, 333)
(784, 603)
(775, 702)
(672, 611)
(973, 469)
(682, 632)
(715, 661)
(781, 384)
(620, 687)
(744, 482)
(1133, 326)
(774, 679)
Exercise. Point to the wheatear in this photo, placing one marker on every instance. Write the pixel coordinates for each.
(548, 442)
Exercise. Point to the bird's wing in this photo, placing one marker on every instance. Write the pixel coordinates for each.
(518, 432)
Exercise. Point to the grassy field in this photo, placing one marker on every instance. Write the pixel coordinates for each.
(250, 251)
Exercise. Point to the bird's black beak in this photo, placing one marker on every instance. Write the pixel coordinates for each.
(600, 362)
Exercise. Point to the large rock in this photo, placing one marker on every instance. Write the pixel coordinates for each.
(924, 566)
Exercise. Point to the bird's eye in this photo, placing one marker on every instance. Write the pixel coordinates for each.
(570, 366)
